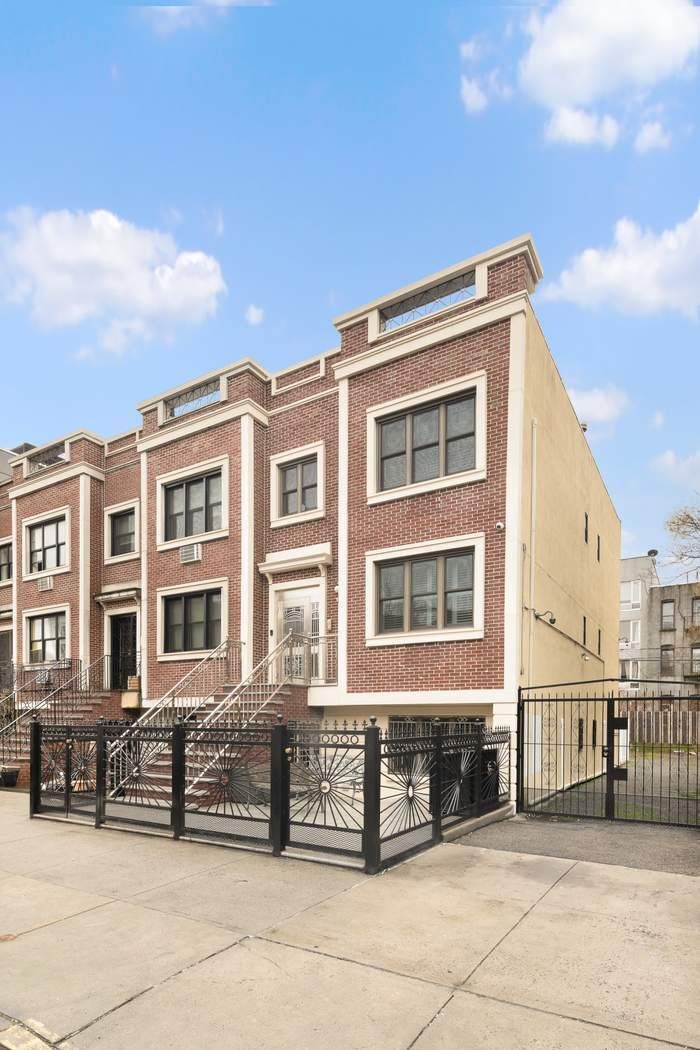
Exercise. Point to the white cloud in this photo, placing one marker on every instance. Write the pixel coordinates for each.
(133, 284)
(682, 472)
(166, 19)
(642, 272)
(628, 543)
(581, 128)
(658, 419)
(583, 53)
(652, 135)
(473, 96)
(584, 50)
(471, 49)
(254, 315)
(599, 404)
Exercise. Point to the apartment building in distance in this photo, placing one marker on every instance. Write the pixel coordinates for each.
(419, 505)
(637, 577)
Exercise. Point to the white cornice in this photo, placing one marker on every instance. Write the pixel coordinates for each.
(245, 364)
(517, 246)
(296, 558)
(479, 317)
(212, 419)
(73, 470)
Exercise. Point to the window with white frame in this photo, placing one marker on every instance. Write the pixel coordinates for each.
(695, 659)
(47, 637)
(695, 612)
(5, 562)
(631, 594)
(47, 545)
(425, 592)
(297, 485)
(426, 441)
(630, 632)
(122, 532)
(192, 621)
(193, 506)
(629, 669)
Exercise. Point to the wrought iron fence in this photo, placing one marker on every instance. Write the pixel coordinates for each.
(341, 790)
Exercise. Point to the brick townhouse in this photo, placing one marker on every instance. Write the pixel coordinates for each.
(419, 505)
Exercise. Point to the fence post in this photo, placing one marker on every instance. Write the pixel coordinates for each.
(479, 765)
(177, 749)
(519, 744)
(436, 782)
(372, 789)
(100, 775)
(68, 771)
(279, 787)
(609, 752)
(35, 767)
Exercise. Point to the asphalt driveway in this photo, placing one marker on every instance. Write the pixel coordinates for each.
(111, 939)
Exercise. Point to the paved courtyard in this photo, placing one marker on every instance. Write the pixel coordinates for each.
(113, 940)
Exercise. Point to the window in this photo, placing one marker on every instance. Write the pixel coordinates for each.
(668, 615)
(600, 641)
(585, 630)
(581, 734)
(695, 616)
(629, 669)
(193, 507)
(630, 632)
(123, 533)
(695, 659)
(47, 638)
(597, 547)
(5, 562)
(433, 441)
(298, 486)
(667, 660)
(585, 527)
(192, 622)
(47, 545)
(631, 594)
(423, 593)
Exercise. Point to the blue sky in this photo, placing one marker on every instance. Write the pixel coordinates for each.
(184, 187)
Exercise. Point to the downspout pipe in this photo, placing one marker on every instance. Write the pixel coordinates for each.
(533, 541)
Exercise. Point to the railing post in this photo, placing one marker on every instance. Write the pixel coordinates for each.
(436, 782)
(177, 751)
(372, 795)
(68, 771)
(479, 765)
(35, 768)
(279, 787)
(519, 744)
(100, 775)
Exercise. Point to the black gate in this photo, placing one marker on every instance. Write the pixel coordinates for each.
(65, 771)
(611, 750)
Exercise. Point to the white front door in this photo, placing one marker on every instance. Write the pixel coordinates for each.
(299, 611)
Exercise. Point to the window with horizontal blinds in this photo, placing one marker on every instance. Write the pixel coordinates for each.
(426, 593)
(432, 441)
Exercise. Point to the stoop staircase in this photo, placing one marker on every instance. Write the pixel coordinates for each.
(65, 693)
(139, 761)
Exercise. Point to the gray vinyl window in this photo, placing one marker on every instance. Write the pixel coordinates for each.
(298, 486)
(5, 562)
(431, 441)
(47, 545)
(193, 507)
(123, 533)
(47, 638)
(426, 593)
(192, 622)
(668, 615)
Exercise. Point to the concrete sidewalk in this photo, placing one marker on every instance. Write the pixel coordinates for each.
(114, 940)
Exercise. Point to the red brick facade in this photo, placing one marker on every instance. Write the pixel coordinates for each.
(262, 416)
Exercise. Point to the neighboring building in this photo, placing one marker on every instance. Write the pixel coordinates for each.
(420, 502)
(637, 577)
(673, 638)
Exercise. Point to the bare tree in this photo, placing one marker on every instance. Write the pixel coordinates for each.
(684, 527)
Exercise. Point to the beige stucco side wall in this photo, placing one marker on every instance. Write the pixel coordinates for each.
(568, 579)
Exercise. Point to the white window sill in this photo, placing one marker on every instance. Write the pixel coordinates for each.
(421, 487)
(185, 541)
(425, 637)
(29, 576)
(117, 559)
(192, 655)
(6, 583)
(298, 519)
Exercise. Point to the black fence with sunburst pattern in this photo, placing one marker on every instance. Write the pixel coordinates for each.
(345, 790)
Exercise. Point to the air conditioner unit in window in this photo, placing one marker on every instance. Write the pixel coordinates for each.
(190, 552)
(46, 584)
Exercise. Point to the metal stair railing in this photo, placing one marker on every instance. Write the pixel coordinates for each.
(257, 691)
(58, 707)
(185, 699)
